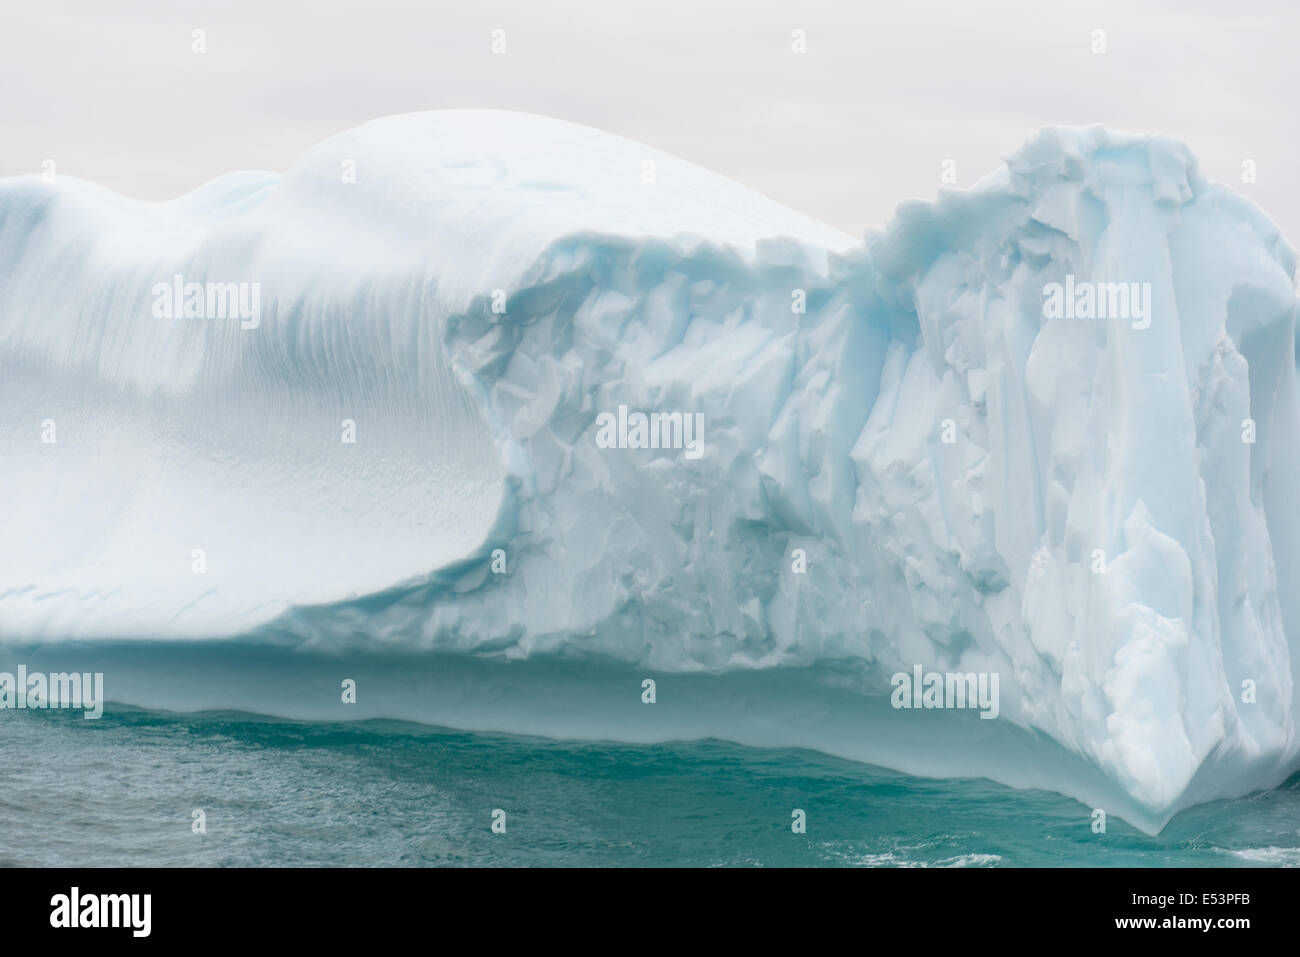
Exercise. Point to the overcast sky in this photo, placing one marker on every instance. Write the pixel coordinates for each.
(885, 93)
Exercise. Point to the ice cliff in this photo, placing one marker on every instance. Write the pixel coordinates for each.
(909, 454)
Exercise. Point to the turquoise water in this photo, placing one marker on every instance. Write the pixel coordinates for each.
(121, 791)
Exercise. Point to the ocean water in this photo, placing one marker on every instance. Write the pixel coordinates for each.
(122, 790)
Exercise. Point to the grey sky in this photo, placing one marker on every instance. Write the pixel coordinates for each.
(885, 93)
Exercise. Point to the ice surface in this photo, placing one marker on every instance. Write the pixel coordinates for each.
(1067, 502)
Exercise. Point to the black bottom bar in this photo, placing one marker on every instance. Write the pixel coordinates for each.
(329, 907)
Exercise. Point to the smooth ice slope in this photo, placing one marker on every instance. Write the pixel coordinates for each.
(1067, 502)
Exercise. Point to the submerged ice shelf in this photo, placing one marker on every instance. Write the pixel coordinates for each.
(1045, 428)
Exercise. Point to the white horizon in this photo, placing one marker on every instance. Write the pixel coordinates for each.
(866, 118)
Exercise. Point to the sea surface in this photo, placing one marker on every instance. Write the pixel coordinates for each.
(123, 790)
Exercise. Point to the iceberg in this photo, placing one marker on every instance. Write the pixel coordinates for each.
(527, 411)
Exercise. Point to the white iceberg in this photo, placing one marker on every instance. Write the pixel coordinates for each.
(1045, 428)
